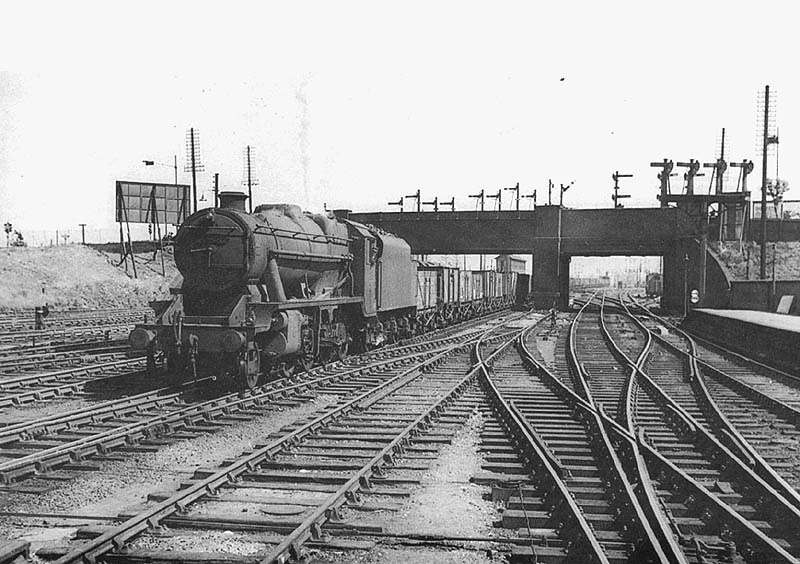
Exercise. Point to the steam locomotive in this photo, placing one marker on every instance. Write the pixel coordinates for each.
(269, 293)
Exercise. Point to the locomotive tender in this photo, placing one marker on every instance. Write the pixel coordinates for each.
(268, 293)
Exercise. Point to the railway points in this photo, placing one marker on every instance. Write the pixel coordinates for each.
(603, 433)
(413, 397)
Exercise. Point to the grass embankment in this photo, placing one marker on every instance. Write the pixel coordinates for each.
(76, 276)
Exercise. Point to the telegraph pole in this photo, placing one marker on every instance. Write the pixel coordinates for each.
(194, 174)
(83, 233)
(193, 163)
(216, 189)
(767, 141)
(250, 179)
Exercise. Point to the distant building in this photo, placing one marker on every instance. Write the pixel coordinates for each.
(510, 263)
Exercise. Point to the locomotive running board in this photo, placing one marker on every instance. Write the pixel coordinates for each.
(296, 304)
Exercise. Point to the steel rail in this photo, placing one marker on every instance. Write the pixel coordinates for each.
(311, 526)
(66, 388)
(10, 352)
(741, 463)
(787, 378)
(739, 523)
(537, 454)
(53, 422)
(626, 404)
(658, 537)
(106, 410)
(572, 357)
(772, 373)
(10, 365)
(66, 332)
(120, 534)
(747, 452)
(55, 322)
(8, 384)
(717, 509)
(131, 433)
(665, 529)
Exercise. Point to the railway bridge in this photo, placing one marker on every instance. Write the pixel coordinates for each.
(554, 234)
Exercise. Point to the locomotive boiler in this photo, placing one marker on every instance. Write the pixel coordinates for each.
(275, 291)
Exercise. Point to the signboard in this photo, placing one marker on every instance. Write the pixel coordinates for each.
(148, 202)
(694, 297)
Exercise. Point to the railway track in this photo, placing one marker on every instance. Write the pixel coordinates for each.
(577, 504)
(661, 462)
(296, 484)
(24, 320)
(765, 425)
(20, 390)
(112, 367)
(29, 449)
(680, 430)
(65, 335)
(30, 361)
(605, 376)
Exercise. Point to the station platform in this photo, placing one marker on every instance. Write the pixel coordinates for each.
(771, 338)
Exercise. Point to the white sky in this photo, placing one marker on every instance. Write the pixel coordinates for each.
(357, 104)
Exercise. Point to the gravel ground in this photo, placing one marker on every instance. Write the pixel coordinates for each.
(122, 484)
(411, 555)
(447, 503)
(547, 347)
(28, 412)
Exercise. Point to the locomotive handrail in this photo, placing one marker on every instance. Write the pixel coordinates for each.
(272, 231)
(279, 232)
(310, 256)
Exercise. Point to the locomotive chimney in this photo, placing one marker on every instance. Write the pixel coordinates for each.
(232, 200)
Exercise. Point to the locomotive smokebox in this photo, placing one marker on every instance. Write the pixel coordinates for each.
(232, 200)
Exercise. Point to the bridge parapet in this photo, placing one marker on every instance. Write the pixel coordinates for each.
(552, 234)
